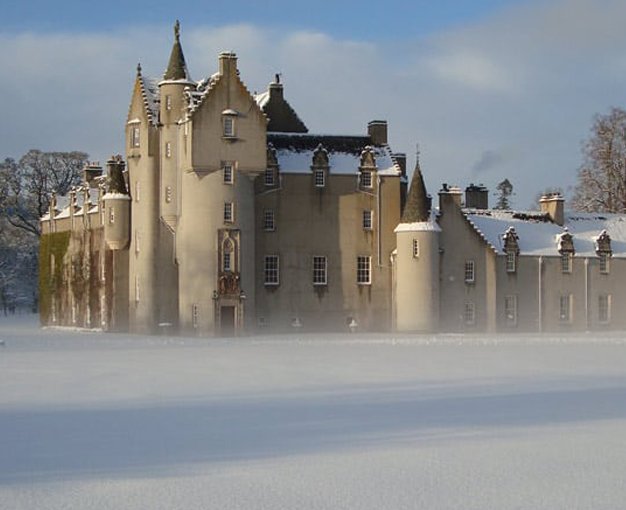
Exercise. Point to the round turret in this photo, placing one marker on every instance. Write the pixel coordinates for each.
(116, 207)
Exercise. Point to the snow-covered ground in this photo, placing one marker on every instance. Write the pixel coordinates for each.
(93, 421)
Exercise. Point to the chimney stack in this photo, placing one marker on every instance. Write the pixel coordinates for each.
(553, 204)
(377, 131)
(400, 158)
(477, 197)
(228, 63)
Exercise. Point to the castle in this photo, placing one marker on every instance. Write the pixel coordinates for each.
(227, 217)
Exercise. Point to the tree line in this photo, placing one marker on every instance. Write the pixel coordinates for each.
(26, 186)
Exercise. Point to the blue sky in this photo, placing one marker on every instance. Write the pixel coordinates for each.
(353, 19)
(490, 90)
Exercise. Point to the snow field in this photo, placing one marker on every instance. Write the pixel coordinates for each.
(93, 421)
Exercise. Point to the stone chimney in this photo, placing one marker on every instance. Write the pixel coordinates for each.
(449, 196)
(91, 171)
(400, 159)
(377, 131)
(477, 197)
(553, 205)
(228, 63)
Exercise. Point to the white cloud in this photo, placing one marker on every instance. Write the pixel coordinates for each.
(522, 85)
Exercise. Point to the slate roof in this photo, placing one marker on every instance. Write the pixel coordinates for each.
(294, 153)
(539, 236)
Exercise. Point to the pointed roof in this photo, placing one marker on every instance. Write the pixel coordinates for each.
(282, 117)
(177, 68)
(416, 208)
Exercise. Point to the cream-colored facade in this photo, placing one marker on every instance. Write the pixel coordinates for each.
(228, 217)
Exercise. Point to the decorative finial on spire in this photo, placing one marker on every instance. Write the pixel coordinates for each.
(417, 152)
(138, 68)
(277, 77)
(177, 30)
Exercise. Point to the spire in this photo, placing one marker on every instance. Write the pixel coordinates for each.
(417, 202)
(177, 68)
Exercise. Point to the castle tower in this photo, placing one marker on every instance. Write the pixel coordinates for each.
(116, 207)
(417, 262)
(172, 112)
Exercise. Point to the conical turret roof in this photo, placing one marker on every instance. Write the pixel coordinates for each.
(177, 68)
(416, 208)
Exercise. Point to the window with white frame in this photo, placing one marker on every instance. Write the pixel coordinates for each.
(604, 262)
(565, 308)
(511, 262)
(135, 136)
(469, 314)
(566, 262)
(320, 270)
(268, 220)
(168, 102)
(367, 219)
(366, 179)
(470, 271)
(271, 270)
(510, 310)
(269, 177)
(229, 213)
(364, 270)
(604, 308)
(228, 173)
(229, 126)
(168, 149)
(416, 248)
(320, 178)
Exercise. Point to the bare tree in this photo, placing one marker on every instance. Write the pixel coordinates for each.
(602, 176)
(26, 185)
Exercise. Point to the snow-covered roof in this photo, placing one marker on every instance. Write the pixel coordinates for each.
(294, 153)
(150, 92)
(539, 236)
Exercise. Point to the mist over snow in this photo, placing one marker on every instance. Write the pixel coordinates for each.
(520, 86)
(106, 421)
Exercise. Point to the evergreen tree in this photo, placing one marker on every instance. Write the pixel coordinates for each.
(504, 191)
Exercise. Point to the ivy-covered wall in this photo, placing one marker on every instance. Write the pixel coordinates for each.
(52, 250)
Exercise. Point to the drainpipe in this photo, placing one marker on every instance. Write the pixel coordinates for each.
(379, 220)
(540, 294)
(587, 293)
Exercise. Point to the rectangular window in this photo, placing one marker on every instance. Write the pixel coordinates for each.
(168, 194)
(366, 179)
(136, 289)
(268, 220)
(228, 212)
(320, 178)
(269, 177)
(228, 173)
(416, 248)
(469, 314)
(229, 126)
(604, 308)
(566, 262)
(111, 215)
(134, 136)
(194, 316)
(604, 263)
(367, 220)
(168, 150)
(103, 311)
(364, 270)
(319, 270)
(137, 191)
(510, 310)
(168, 102)
(470, 274)
(271, 270)
(511, 262)
(227, 267)
(565, 308)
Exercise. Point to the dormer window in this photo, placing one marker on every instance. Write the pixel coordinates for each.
(320, 178)
(604, 258)
(511, 249)
(566, 263)
(603, 250)
(366, 179)
(565, 245)
(320, 166)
